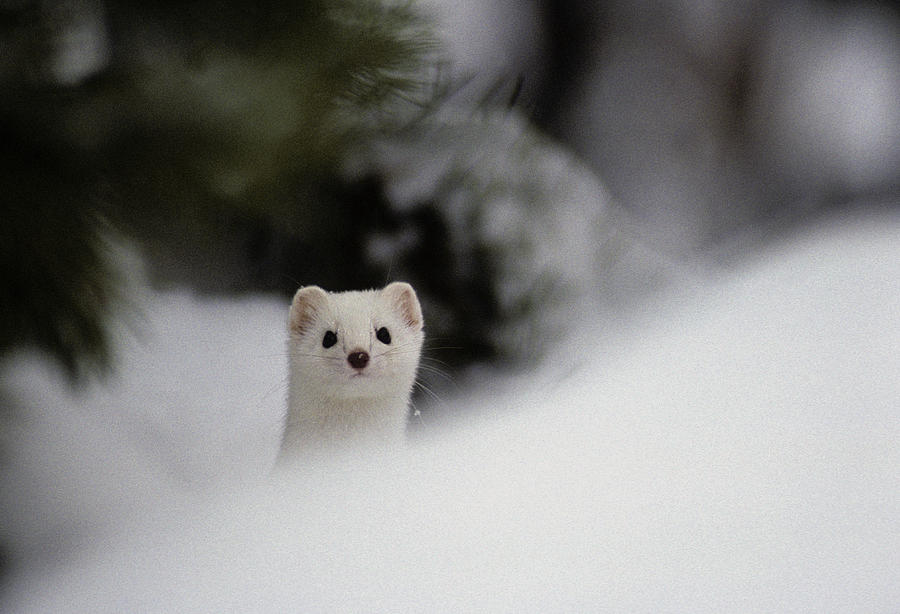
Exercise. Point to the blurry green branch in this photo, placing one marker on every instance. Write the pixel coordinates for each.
(57, 283)
(202, 112)
(262, 146)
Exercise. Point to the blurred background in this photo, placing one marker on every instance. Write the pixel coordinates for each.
(503, 156)
(519, 162)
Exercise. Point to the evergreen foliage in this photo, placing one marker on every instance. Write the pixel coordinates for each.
(57, 285)
(262, 146)
(205, 114)
(499, 228)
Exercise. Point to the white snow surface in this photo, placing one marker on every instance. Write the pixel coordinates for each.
(733, 449)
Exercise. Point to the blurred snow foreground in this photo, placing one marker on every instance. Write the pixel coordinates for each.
(736, 451)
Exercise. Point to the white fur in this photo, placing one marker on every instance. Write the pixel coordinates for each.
(331, 403)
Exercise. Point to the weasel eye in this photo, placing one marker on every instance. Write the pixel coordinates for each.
(329, 339)
(383, 335)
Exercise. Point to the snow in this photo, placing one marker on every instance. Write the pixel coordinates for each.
(503, 189)
(732, 448)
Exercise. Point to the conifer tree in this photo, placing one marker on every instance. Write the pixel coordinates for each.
(181, 121)
(249, 146)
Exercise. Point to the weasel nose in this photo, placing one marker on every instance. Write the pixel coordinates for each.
(358, 359)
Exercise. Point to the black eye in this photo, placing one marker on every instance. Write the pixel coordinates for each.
(329, 339)
(383, 335)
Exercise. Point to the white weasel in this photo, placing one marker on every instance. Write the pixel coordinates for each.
(352, 361)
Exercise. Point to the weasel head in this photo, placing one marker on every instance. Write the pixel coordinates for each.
(356, 345)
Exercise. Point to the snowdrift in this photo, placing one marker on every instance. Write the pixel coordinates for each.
(736, 450)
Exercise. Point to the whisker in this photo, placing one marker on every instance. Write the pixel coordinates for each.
(435, 371)
(404, 348)
(432, 360)
(427, 390)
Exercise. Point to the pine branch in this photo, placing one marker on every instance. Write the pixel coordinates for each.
(236, 109)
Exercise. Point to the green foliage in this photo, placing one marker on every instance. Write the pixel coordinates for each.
(207, 112)
(57, 287)
(267, 145)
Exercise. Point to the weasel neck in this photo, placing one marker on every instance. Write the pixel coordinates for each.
(316, 422)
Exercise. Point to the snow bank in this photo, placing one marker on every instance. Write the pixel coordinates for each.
(197, 401)
(737, 452)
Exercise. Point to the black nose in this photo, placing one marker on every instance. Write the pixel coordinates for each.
(358, 360)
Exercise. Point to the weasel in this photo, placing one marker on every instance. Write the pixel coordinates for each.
(352, 361)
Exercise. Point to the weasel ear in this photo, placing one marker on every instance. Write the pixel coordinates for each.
(404, 300)
(308, 301)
